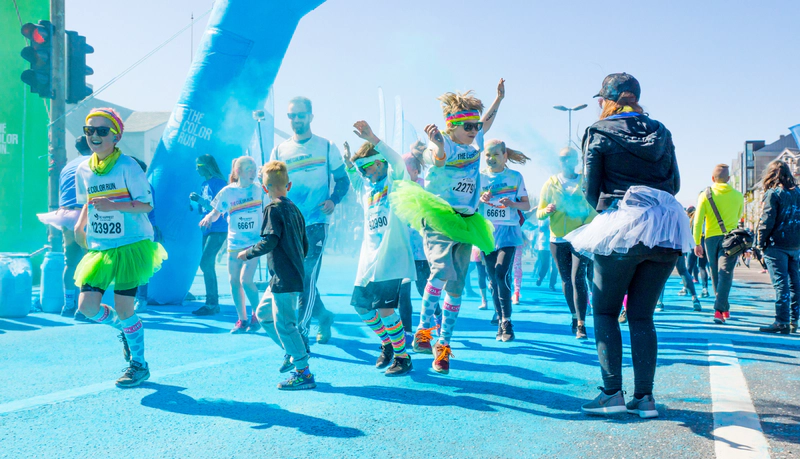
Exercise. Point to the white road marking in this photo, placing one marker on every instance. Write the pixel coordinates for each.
(737, 428)
(69, 394)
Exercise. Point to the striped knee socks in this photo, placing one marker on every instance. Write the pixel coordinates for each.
(373, 321)
(394, 328)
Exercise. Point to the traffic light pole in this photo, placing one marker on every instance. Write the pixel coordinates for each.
(57, 132)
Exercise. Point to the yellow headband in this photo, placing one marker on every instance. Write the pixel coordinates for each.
(106, 116)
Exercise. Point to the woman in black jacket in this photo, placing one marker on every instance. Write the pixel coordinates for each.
(631, 177)
(779, 240)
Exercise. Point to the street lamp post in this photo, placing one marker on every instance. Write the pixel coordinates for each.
(570, 110)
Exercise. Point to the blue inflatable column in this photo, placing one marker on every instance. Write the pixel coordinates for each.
(237, 61)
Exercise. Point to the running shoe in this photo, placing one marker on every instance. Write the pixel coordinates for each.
(254, 325)
(538, 282)
(495, 320)
(324, 329)
(483, 305)
(240, 327)
(387, 352)
(422, 341)
(623, 317)
(68, 312)
(718, 317)
(299, 380)
(134, 375)
(695, 280)
(401, 366)
(441, 364)
(645, 407)
(508, 331)
(207, 310)
(697, 306)
(287, 364)
(515, 298)
(126, 350)
(704, 293)
(574, 326)
(776, 327)
(682, 292)
(606, 404)
(580, 333)
(726, 315)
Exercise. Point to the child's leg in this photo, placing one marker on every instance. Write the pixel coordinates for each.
(285, 316)
(452, 301)
(481, 279)
(89, 305)
(235, 268)
(264, 316)
(248, 285)
(394, 329)
(518, 269)
(491, 271)
(405, 307)
(371, 318)
(132, 326)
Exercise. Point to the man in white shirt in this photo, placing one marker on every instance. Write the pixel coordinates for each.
(319, 182)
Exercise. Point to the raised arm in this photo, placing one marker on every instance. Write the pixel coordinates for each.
(491, 114)
(438, 151)
(364, 131)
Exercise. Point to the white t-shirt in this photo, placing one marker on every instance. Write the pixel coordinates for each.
(310, 165)
(457, 181)
(125, 182)
(245, 214)
(506, 184)
(569, 185)
(386, 248)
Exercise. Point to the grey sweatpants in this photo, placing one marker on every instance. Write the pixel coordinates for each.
(278, 316)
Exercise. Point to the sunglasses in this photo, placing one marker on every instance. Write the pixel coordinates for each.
(299, 116)
(101, 131)
(469, 126)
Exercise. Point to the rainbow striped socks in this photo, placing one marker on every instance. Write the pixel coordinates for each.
(394, 328)
(373, 321)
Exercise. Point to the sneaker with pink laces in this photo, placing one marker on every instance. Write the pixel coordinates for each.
(240, 327)
(254, 325)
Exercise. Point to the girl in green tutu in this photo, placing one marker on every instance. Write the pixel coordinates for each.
(445, 213)
(114, 226)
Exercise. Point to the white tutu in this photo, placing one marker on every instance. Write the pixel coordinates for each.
(644, 215)
(61, 218)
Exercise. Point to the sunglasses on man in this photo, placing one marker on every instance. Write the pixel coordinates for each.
(300, 116)
(469, 126)
(101, 131)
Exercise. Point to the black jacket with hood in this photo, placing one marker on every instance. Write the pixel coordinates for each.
(624, 151)
(780, 220)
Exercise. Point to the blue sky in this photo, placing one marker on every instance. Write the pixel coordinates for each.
(715, 73)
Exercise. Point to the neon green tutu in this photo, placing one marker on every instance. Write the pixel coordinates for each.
(413, 204)
(127, 267)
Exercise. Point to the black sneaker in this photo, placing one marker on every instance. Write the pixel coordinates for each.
(499, 336)
(776, 327)
(387, 352)
(696, 304)
(287, 364)
(574, 326)
(401, 366)
(207, 310)
(134, 375)
(580, 332)
(495, 320)
(126, 350)
(508, 332)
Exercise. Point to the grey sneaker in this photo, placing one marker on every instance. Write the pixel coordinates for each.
(299, 380)
(324, 330)
(645, 407)
(134, 375)
(606, 404)
(287, 364)
(704, 293)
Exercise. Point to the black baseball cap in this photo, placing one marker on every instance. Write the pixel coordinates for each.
(617, 83)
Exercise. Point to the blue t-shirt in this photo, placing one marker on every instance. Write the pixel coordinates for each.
(208, 191)
(457, 181)
(66, 183)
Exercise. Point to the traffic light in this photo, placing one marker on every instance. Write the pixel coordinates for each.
(40, 56)
(76, 68)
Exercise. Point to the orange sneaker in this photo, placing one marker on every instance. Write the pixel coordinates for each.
(726, 315)
(441, 364)
(422, 341)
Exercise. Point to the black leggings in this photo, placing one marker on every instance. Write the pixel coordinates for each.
(642, 273)
(404, 306)
(698, 264)
(498, 267)
(684, 273)
(572, 268)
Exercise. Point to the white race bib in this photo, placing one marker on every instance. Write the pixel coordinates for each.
(498, 215)
(377, 219)
(464, 186)
(106, 225)
(244, 222)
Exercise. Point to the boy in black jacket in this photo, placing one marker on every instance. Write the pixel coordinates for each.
(285, 245)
